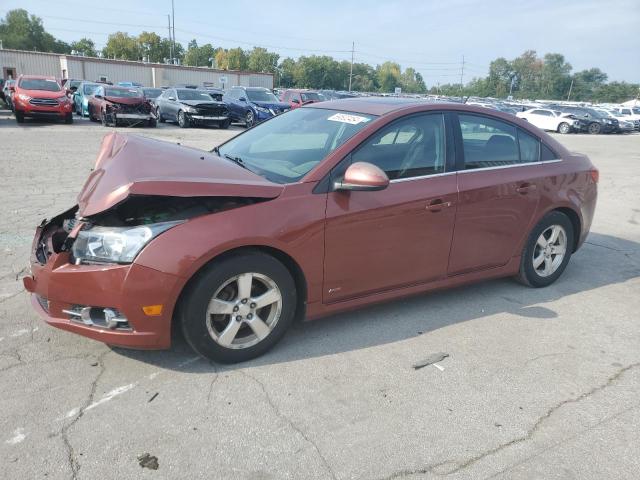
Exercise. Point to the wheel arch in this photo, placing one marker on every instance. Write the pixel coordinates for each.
(575, 222)
(290, 264)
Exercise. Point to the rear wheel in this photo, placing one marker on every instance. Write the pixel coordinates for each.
(239, 308)
(547, 251)
(594, 128)
(564, 128)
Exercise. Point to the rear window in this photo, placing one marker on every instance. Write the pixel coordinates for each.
(45, 84)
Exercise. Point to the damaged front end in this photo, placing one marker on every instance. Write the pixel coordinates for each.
(129, 114)
(84, 278)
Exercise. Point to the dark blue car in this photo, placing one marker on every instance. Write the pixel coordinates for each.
(252, 105)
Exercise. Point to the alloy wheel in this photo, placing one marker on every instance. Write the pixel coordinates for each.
(549, 251)
(249, 119)
(244, 310)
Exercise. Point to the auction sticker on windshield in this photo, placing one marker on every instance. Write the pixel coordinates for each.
(348, 118)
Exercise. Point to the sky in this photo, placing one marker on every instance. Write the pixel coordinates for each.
(431, 36)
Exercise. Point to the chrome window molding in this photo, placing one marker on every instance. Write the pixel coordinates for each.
(471, 170)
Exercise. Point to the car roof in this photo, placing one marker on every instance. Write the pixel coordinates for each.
(40, 77)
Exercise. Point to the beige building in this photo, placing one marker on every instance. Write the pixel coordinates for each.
(17, 62)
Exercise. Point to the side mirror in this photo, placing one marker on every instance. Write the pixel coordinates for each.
(295, 100)
(363, 176)
(242, 99)
(173, 99)
(98, 96)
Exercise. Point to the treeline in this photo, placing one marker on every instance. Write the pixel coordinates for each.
(527, 76)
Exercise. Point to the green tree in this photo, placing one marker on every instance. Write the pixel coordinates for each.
(555, 76)
(122, 46)
(22, 31)
(616, 92)
(85, 46)
(500, 76)
(155, 48)
(586, 83)
(199, 56)
(262, 60)
(388, 76)
(237, 59)
(221, 59)
(412, 82)
(286, 73)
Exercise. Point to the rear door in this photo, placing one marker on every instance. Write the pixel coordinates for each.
(498, 184)
(400, 236)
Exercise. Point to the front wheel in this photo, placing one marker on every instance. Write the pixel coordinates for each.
(594, 128)
(152, 123)
(564, 128)
(225, 124)
(68, 118)
(547, 251)
(183, 121)
(19, 117)
(239, 308)
(249, 119)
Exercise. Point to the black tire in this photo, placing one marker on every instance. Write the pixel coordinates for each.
(249, 119)
(193, 311)
(224, 124)
(68, 118)
(528, 275)
(183, 121)
(152, 123)
(19, 117)
(103, 119)
(160, 117)
(594, 128)
(564, 128)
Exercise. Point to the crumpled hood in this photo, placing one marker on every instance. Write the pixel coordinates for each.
(195, 103)
(133, 165)
(126, 100)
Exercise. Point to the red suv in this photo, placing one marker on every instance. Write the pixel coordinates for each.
(37, 96)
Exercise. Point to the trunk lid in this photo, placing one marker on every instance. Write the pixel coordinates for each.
(132, 165)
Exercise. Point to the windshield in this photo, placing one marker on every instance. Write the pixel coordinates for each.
(40, 84)
(261, 96)
(285, 148)
(152, 92)
(122, 92)
(189, 94)
(310, 97)
(89, 89)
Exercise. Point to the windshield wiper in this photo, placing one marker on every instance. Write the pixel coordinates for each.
(237, 161)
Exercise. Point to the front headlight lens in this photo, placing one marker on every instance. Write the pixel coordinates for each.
(262, 109)
(24, 97)
(190, 109)
(115, 244)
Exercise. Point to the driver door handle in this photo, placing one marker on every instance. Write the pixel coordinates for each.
(437, 205)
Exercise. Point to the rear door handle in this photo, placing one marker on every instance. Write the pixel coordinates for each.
(526, 188)
(437, 205)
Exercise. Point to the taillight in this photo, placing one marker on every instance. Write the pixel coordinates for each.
(595, 175)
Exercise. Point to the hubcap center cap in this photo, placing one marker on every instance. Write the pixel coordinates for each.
(243, 309)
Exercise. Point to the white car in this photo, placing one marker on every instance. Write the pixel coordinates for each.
(631, 114)
(546, 119)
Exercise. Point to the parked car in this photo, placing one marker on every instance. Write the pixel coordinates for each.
(42, 97)
(7, 93)
(552, 120)
(297, 97)
(124, 105)
(71, 84)
(189, 107)
(317, 211)
(129, 84)
(630, 113)
(81, 98)
(252, 105)
(594, 122)
(151, 94)
(214, 93)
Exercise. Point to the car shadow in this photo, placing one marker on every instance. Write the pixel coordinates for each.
(602, 261)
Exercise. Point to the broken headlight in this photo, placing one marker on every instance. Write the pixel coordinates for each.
(115, 244)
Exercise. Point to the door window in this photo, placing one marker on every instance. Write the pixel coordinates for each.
(410, 147)
(492, 143)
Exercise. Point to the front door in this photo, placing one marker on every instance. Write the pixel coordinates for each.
(499, 183)
(400, 236)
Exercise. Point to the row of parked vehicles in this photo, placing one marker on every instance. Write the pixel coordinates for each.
(568, 118)
(131, 103)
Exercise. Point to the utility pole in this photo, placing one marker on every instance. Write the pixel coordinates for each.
(353, 46)
(461, 74)
(173, 21)
(570, 88)
(170, 42)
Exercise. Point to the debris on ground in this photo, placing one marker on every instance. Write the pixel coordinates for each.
(153, 397)
(430, 360)
(147, 460)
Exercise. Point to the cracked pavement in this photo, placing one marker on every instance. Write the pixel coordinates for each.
(539, 383)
